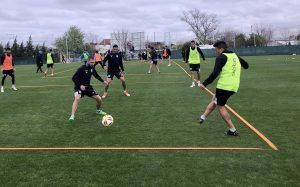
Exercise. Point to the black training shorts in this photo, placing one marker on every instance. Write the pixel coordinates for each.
(154, 62)
(8, 72)
(195, 67)
(222, 96)
(49, 65)
(111, 75)
(89, 91)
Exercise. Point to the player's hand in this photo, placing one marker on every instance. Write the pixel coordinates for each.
(82, 87)
(105, 67)
(201, 86)
(105, 82)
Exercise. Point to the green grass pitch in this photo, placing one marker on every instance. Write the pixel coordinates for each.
(161, 112)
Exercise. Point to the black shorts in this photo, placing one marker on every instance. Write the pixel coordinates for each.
(166, 57)
(8, 72)
(154, 62)
(50, 65)
(89, 91)
(111, 75)
(222, 96)
(195, 67)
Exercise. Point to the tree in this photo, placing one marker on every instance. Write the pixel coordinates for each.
(240, 40)
(184, 48)
(22, 50)
(202, 24)
(228, 36)
(15, 48)
(265, 33)
(298, 37)
(44, 49)
(256, 40)
(1, 49)
(29, 49)
(121, 39)
(73, 38)
(7, 45)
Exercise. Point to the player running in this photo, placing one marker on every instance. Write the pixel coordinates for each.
(50, 62)
(8, 68)
(193, 58)
(82, 79)
(166, 53)
(228, 66)
(154, 59)
(115, 68)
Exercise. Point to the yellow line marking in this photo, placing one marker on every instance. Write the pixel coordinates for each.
(125, 148)
(61, 72)
(238, 116)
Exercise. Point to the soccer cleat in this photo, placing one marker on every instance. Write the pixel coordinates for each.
(2, 89)
(149, 72)
(126, 93)
(169, 64)
(14, 88)
(200, 120)
(104, 95)
(230, 133)
(72, 118)
(193, 85)
(52, 74)
(100, 112)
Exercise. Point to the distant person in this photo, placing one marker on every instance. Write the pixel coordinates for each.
(98, 58)
(140, 56)
(63, 59)
(166, 53)
(193, 58)
(85, 56)
(82, 79)
(228, 66)
(39, 61)
(114, 68)
(144, 55)
(8, 68)
(50, 62)
(154, 59)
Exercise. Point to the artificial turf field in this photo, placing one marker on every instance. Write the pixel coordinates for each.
(161, 112)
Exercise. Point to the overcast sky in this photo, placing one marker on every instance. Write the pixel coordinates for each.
(47, 20)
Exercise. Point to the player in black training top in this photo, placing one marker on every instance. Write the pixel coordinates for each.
(82, 79)
(154, 59)
(114, 68)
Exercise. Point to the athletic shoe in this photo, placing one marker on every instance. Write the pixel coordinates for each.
(193, 85)
(104, 95)
(169, 64)
(235, 133)
(126, 93)
(100, 112)
(14, 88)
(2, 89)
(149, 72)
(72, 118)
(52, 74)
(198, 83)
(200, 120)
(159, 72)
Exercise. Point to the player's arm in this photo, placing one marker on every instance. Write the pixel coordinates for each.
(243, 63)
(201, 53)
(52, 56)
(121, 62)
(220, 62)
(97, 76)
(105, 60)
(187, 54)
(2, 61)
(169, 52)
(76, 76)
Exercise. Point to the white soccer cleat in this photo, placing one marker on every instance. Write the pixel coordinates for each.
(14, 88)
(2, 89)
(126, 93)
(193, 85)
(52, 74)
(169, 64)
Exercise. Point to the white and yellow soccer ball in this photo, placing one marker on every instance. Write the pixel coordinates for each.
(107, 120)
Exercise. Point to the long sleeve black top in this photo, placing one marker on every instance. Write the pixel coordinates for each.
(83, 76)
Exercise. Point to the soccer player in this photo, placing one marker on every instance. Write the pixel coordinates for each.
(228, 66)
(115, 68)
(83, 87)
(166, 53)
(8, 68)
(50, 62)
(193, 58)
(154, 59)
(39, 61)
(85, 56)
(98, 58)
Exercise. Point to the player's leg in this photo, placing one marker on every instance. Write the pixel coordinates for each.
(98, 100)
(108, 80)
(210, 107)
(226, 117)
(157, 68)
(169, 60)
(192, 79)
(47, 69)
(52, 68)
(4, 75)
(150, 68)
(12, 75)
(77, 97)
(122, 79)
(199, 76)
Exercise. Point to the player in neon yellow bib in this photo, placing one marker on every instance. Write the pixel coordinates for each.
(50, 62)
(228, 68)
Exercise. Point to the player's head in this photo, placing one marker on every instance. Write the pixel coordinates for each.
(193, 44)
(91, 61)
(220, 46)
(152, 48)
(115, 48)
(7, 50)
(50, 50)
(97, 51)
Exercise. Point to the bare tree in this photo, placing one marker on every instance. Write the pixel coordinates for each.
(202, 24)
(228, 35)
(121, 38)
(264, 31)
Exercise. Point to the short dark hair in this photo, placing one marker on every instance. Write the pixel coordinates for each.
(91, 57)
(115, 45)
(220, 45)
(193, 41)
(8, 48)
(97, 51)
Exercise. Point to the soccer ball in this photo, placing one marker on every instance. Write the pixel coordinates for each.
(107, 120)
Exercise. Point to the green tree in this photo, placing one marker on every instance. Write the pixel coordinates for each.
(7, 45)
(240, 40)
(22, 50)
(1, 49)
(74, 38)
(15, 48)
(256, 40)
(298, 37)
(44, 49)
(185, 47)
(29, 49)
